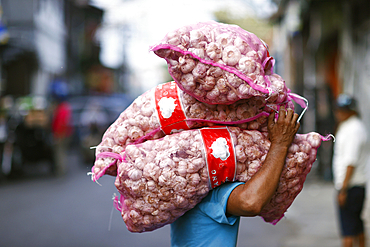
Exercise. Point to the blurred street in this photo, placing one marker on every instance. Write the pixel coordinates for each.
(68, 68)
(40, 210)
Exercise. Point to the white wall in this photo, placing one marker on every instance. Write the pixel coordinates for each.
(361, 89)
(50, 43)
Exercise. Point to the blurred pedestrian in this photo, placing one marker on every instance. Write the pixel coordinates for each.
(349, 161)
(94, 120)
(61, 125)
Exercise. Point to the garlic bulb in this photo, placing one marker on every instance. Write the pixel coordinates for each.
(231, 55)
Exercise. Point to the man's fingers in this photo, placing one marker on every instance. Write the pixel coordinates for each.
(295, 118)
(298, 124)
(282, 112)
(270, 120)
(285, 116)
(290, 113)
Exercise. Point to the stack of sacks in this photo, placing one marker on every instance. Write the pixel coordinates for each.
(158, 149)
(167, 109)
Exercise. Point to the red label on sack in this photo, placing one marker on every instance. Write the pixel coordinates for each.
(169, 109)
(220, 155)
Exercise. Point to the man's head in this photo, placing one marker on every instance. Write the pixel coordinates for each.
(345, 107)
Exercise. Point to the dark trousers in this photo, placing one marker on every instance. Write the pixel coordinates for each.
(351, 223)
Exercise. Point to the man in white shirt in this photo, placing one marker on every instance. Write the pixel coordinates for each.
(349, 161)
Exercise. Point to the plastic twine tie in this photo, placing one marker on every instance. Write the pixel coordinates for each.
(303, 102)
(328, 137)
(115, 156)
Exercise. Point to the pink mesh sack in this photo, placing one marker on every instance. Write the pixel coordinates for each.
(219, 63)
(167, 109)
(159, 180)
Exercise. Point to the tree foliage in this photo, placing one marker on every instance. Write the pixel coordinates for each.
(261, 28)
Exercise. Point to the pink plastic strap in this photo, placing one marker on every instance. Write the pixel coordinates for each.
(275, 221)
(153, 132)
(328, 137)
(147, 136)
(109, 155)
(299, 99)
(267, 80)
(115, 156)
(101, 172)
(267, 59)
(210, 62)
(303, 102)
(231, 122)
(118, 203)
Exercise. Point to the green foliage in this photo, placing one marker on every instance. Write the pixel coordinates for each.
(259, 27)
(167, 76)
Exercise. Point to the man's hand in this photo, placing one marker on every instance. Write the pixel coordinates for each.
(249, 199)
(282, 131)
(342, 198)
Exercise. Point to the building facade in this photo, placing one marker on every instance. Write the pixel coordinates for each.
(323, 49)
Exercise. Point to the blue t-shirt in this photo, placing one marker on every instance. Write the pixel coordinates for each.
(207, 224)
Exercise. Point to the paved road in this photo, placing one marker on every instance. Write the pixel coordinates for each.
(40, 210)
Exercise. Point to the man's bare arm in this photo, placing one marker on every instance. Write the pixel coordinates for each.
(250, 198)
(342, 196)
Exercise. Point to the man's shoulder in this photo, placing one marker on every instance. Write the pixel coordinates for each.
(354, 124)
(224, 190)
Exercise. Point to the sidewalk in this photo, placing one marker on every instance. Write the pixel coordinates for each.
(314, 217)
(311, 221)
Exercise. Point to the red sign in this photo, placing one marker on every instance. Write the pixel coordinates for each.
(220, 155)
(169, 108)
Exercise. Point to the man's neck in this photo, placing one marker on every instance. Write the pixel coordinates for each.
(349, 114)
